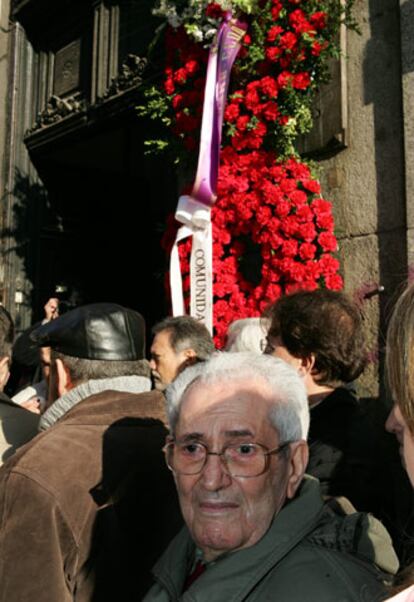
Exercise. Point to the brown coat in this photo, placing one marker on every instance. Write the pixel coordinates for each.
(82, 504)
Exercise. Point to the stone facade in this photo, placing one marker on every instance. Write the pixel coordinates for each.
(369, 176)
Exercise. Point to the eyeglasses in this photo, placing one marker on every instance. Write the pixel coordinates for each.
(240, 460)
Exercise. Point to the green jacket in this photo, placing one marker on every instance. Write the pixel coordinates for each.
(310, 553)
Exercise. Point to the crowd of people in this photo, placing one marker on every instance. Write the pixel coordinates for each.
(247, 474)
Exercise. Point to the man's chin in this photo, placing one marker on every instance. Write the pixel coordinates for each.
(159, 385)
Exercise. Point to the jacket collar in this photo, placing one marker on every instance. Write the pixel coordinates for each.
(236, 572)
(126, 384)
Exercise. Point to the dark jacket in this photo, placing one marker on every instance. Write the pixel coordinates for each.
(17, 427)
(309, 553)
(341, 451)
(77, 504)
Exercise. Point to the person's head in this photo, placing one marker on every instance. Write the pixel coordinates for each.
(101, 340)
(320, 334)
(178, 342)
(6, 343)
(237, 448)
(400, 376)
(247, 334)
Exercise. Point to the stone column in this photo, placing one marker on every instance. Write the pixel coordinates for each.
(407, 75)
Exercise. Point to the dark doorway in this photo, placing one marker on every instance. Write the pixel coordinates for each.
(102, 219)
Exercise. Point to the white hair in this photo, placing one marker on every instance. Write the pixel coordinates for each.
(246, 334)
(289, 414)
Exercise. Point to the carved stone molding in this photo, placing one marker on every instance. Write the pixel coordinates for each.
(130, 75)
(57, 109)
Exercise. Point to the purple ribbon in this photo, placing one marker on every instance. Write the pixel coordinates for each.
(221, 58)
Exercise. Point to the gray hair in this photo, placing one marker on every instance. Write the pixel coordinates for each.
(187, 333)
(84, 369)
(247, 334)
(290, 411)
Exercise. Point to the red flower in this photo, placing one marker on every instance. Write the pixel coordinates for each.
(288, 41)
(327, 241)
(270, 111)
(307, 250)
(334, 282)
(169, 86)
(242, 123)
(274, 32)
(312, 185)
(232, 112)
(301, 81)
(269, 86)
(273, 53)
(298, 197)
(319, 20)
(290, 248)
(214, 11)
(192, 67)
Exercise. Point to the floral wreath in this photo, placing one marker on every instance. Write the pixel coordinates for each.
(272, 231)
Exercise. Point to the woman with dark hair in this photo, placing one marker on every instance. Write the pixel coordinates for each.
(320, 334)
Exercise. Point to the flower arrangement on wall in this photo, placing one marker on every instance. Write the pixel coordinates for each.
(272, 231)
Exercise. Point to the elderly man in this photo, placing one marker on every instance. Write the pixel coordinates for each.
(178, 342)
(256, 529)
(90, 499)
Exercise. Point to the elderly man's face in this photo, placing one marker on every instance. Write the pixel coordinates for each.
(222, 512)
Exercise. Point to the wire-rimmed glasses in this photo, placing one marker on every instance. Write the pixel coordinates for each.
(240, 459)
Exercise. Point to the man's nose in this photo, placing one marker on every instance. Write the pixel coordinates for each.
(152, 364)
(392, 424)
(214, 475)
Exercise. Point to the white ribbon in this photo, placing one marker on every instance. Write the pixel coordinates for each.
(196, 218)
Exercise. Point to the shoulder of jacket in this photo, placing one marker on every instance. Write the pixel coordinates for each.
(356, 533)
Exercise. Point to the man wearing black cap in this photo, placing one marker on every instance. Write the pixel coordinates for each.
(65, 499)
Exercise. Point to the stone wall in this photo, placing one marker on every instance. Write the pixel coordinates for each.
(366, 182)
(4, 91)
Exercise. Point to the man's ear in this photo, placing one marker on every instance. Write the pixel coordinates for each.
(4, 371)
(190, 358)
(63, 379)
(299, 456)
(307, 365)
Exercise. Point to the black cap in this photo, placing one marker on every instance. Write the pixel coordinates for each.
(100, 331)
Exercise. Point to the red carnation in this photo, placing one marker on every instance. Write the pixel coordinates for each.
(242, 123)
(312, 185)
(177, 101)
(192, 67)
(290, 248)
(325, 222)
(328, 264)
(319, 20)
(214, 11)
(307, 251)
(273, 53)
(284, 79)
(269, 86)
(270, 111)
(288, 41)
(274, 32)
(307, 232)
(275, 10)
(180, 76)
(327, 241)
(298, 197)
(169, 86)
(320, 206)
(232, 112)
(301, 81)
(334, 282)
